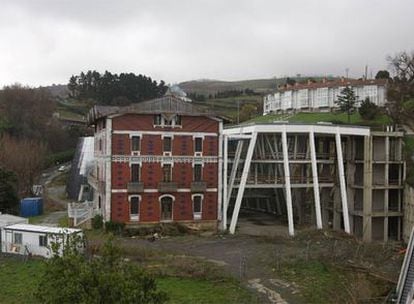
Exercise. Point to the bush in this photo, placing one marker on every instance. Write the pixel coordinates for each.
(368, 109)
(97, 222)
(114, 227)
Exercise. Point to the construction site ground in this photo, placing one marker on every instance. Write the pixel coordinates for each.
(313, 267)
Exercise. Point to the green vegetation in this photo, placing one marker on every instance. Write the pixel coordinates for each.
(19, 282)
(189, 291)
(60, 157)
(409, 152)
(319, 282)
(337, 118)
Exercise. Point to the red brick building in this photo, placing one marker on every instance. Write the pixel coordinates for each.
(157, 161)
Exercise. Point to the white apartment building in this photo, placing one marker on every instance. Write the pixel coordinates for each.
(322, 96)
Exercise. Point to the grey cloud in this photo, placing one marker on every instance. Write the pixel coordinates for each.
(45, 41)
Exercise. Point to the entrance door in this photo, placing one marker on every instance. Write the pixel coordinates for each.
(166, 209)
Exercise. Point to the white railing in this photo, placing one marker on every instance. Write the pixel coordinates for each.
(81, 212)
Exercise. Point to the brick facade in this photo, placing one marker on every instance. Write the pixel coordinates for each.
(151, 159)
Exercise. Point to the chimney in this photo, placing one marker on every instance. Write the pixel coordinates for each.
(324, 80)
(342, 79)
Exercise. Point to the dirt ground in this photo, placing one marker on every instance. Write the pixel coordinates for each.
(258, 253)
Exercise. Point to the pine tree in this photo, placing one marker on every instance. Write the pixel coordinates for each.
(346, 101)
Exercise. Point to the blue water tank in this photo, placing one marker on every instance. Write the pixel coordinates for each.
(31, 206)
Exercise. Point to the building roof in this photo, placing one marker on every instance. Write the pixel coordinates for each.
(9, 219)
(42, 229)
(331, 84)
(166, 104)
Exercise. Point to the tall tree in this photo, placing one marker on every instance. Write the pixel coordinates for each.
(346, 101)
(383, 74)
(24, 157)
(8, 192)
(401, 88)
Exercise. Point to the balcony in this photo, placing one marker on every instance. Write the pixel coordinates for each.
(198, 186)
(164, 187)
(135, 187)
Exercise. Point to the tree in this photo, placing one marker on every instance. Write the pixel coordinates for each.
(346, 101)
(368, 110)
(24, 157)
(8, 192)
(247, 111)
(401, 88)
(383, 74)
(72, 278)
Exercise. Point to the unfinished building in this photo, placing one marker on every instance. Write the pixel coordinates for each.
(342, 177)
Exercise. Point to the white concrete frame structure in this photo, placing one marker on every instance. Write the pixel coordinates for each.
(251, 132)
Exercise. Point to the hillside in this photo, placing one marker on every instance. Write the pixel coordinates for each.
(207, 86)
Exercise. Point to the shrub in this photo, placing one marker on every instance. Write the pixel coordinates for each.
(114, 227)
(368, 109)
(97, 222)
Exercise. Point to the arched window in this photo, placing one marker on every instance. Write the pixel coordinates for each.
(197, 206)
(134, 206)
(166, 202)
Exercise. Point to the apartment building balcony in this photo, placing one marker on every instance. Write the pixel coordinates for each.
(164, 187)
(199, 186)
(135, 187)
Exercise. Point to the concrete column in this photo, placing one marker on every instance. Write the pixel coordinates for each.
(315, 180)
(342, 184)
(367, 192)
(386, 182)
(224, 197)
(287, 183)
(234, 170)
(243, 181)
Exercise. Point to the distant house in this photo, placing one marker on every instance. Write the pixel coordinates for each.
(36, 240)
(157, 161)
(322, 96)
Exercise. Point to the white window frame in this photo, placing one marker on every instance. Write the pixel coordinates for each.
(167, 153)
(44, 237)
(172, 206)
(140, 171)
(136, 152)
(198, 153)
(134, 217)
(20, 236)
(197, 215)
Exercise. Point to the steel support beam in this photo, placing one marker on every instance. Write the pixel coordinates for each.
(243, 181)
(342, 184)
(315, 180)
(287, 183)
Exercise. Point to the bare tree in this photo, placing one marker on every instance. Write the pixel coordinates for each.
(25, 157)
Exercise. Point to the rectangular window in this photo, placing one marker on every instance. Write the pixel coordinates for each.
(42, 240)
(198, 144)
(167, 144)
(135, 173)
(157, 119)
(167, 172)
(178, 120)
(198, 172)
(135, 143)
(17, 238)
(134, 206)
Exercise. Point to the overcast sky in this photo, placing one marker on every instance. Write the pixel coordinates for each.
(46, 41)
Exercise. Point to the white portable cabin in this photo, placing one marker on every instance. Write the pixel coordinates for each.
(34, 239)
(8, 219)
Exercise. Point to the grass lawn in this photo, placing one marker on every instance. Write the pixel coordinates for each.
(19, 281)
(381, 119)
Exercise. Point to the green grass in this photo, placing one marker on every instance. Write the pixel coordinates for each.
(19, 281)
(37, 219)
(381, 119)
(317, 281)
(183, 291)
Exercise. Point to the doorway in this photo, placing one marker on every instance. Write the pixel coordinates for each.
(166, 208)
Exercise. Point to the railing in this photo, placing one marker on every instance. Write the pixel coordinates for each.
(199, 186)
(80, 212)
(167, 187)
(294, 179)
(135, 187)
